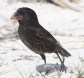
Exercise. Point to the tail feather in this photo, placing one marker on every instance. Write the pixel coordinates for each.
(64, 53)
(61, 51)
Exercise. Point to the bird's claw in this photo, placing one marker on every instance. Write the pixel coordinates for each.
(63, 68)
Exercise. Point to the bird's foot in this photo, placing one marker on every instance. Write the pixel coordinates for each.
(63, 68)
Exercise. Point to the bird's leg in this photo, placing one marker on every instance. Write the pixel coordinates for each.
(62, 63)
(43, 57)
(47, 67)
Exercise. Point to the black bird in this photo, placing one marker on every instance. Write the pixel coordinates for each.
(35, 37)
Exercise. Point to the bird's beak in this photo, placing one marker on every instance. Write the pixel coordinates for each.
(16, 17)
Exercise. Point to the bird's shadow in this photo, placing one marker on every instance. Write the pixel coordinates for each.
(48, 68)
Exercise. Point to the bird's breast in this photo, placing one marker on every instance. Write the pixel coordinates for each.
(24, 36)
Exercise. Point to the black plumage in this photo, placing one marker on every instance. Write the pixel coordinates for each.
(35, 37)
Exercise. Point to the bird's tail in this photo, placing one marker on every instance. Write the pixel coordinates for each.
(64, 53)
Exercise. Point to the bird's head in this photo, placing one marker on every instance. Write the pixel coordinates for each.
(25, 14)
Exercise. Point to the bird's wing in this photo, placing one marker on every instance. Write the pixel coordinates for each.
(44, 34)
